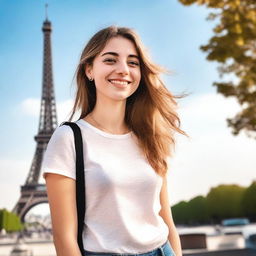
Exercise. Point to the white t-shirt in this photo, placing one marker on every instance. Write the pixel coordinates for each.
(122, 189)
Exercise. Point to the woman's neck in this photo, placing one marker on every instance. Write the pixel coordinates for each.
(109, 118)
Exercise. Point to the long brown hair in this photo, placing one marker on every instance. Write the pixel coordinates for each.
(150, 111)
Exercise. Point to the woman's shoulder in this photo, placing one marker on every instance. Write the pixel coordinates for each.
(62, 133)
(59, 156)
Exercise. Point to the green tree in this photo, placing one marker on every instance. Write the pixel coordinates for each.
(180, 214)
(234, 47)
(224, 201)
(4, 219)
(1, 219)
(197, 210)
(9, 221)
(249, 201)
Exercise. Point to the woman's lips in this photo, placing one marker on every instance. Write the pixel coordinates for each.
(119, 83)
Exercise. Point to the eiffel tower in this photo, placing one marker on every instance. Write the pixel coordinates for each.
(33, 193)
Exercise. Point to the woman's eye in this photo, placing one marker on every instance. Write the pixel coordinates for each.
(134, 63)
(110, 60)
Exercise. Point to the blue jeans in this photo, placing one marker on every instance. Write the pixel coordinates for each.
(164, 250)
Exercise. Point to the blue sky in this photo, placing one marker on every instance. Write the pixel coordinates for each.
(172, 33)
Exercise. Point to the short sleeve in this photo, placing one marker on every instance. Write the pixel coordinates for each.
(59, 156)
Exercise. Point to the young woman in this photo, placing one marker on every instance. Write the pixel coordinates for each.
(128, 121)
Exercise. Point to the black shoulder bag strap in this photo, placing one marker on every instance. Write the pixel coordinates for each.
(80, 182)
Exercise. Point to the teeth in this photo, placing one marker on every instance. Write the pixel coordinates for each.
(118, 82)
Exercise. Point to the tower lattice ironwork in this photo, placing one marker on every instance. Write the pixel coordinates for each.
(33, 193)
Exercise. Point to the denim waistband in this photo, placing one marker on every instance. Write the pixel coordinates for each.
(157, 251)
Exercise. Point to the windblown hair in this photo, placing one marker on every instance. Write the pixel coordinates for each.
(150, 111)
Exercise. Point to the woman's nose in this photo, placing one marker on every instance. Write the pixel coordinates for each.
(122, 68)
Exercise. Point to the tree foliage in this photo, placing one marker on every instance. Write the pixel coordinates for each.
(197, 210)
(179, 212)
(192, 212)
(234, 47)
(9, 221)
(224, 201)
(249, 201)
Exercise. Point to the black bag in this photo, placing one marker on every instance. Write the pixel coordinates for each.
(80, 182)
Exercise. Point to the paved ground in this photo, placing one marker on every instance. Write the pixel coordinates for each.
(240, 252)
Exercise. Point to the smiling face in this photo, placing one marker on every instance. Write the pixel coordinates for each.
(116, 70)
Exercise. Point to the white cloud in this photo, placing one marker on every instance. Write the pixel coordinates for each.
(64, 110)
(206, 112)
(31, 107)
(212, 105)
(212, 155)
(12, 175)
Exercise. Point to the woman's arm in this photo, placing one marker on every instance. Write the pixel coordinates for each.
(166, 214)
(62, 200)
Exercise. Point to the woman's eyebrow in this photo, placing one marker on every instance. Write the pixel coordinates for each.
(116, 54)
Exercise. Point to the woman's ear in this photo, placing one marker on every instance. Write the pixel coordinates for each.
(88, 71)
